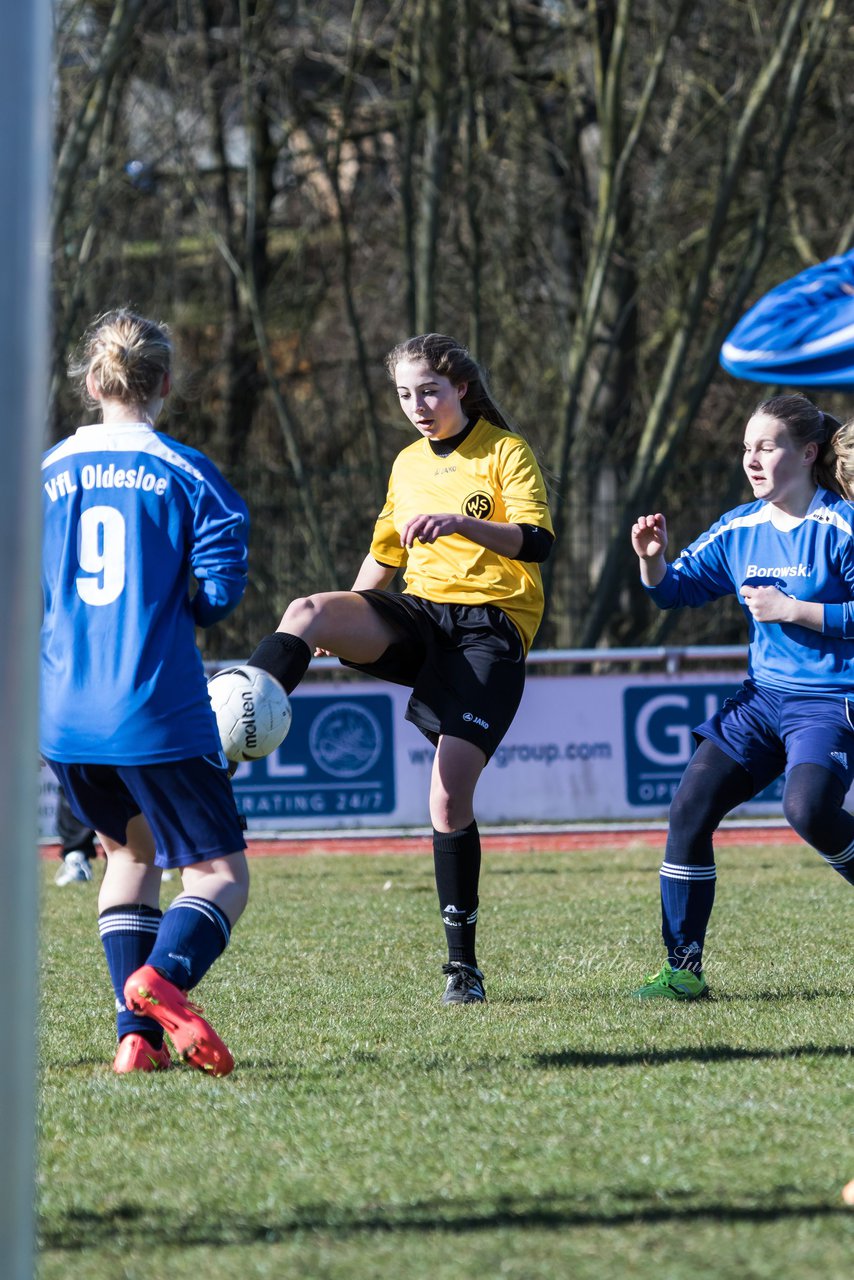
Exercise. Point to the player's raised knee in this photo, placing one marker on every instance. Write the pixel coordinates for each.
(301, 614)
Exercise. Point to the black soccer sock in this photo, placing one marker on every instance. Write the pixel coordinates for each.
(456, 859)
(286, 657)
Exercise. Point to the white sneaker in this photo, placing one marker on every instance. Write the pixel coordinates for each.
(75, 867)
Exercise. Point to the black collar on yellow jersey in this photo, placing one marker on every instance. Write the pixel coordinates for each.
(442, 448)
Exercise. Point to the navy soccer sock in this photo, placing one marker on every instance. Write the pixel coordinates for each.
(286, 657)
(687, 898)
(712, 785)
(192, 934)
(842, 862)
(127, 934)
(456, 860)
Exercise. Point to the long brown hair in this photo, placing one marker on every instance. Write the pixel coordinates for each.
(450, 359)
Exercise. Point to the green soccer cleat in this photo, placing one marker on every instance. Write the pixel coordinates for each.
(673, 984)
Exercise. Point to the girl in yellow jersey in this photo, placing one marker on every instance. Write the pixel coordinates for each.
(467, 520)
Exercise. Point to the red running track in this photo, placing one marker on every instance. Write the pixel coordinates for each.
(512, 842)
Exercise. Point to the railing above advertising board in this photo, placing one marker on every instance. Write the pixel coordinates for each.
(672, 657)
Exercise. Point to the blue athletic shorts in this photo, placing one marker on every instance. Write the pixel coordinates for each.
(769, 732)
(189, 805)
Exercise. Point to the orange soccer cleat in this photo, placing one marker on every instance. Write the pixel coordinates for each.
(195, 1040)
(135, 1053)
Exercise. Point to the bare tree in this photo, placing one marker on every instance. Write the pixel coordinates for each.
(690, 363)
(587, 193)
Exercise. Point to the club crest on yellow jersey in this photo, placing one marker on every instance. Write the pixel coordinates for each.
(480, 505)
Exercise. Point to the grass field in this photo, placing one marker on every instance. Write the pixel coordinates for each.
(560, 1131)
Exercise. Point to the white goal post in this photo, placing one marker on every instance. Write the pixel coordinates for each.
(25, 97)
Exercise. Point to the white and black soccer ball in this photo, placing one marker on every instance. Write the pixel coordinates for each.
(253, 712)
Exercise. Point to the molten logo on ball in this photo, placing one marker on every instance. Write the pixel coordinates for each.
(253, 712)
(249, 731)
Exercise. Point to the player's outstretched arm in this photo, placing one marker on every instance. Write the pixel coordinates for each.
(649, 540)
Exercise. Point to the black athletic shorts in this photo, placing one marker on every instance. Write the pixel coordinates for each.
(465, 664)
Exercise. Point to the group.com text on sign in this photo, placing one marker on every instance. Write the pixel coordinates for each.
(533, 753)
(658, 722)
(336, 762)
(548, 753)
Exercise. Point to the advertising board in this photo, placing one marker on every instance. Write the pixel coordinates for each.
(581, 749)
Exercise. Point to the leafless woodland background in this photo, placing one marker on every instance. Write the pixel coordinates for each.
(589, 194)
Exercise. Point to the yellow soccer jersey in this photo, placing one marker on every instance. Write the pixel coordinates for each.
(492, 475)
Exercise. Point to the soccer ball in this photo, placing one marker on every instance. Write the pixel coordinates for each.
(253, 712)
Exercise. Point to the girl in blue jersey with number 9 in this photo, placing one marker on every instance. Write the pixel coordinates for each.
(131, 517)
(789, 556)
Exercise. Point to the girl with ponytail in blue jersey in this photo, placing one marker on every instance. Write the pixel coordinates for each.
(789, 557)
(131, 518)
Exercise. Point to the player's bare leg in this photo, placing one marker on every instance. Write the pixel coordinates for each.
(194, 932)
(128, 919)
(131, 875)
(341, 622)
(456, 770)
(224, 881)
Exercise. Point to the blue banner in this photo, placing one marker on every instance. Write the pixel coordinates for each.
(337, 760)
(657, 723)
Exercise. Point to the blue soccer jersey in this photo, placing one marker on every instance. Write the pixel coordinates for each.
(131, 517)
(811, 559)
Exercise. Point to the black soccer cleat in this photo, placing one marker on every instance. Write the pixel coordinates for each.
(464, 985)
